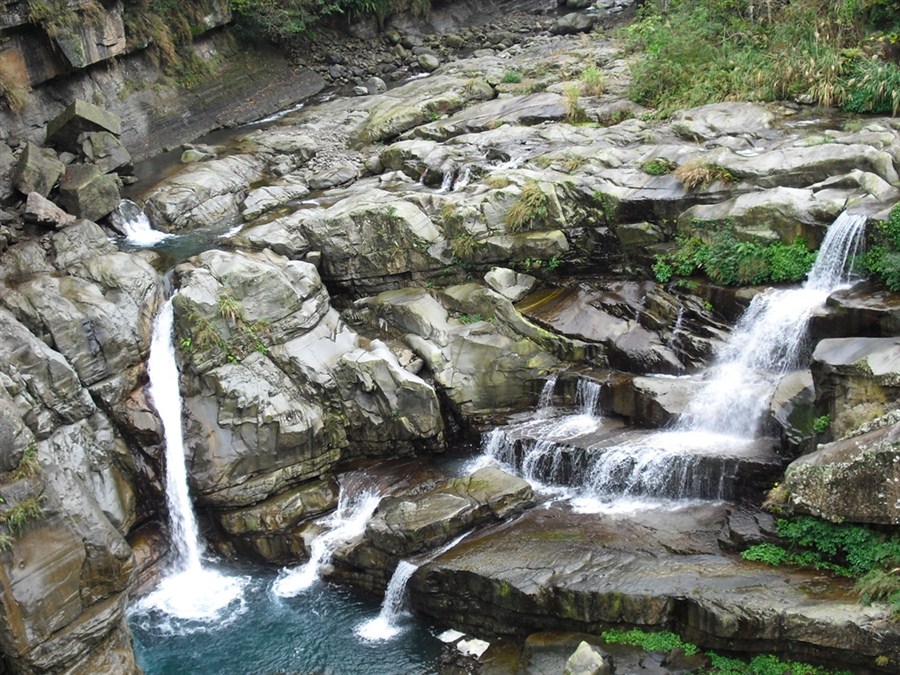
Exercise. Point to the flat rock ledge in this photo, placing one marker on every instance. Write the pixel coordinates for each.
(552, 570)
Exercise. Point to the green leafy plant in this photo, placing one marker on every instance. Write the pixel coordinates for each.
(18, 515)
(662, 641)
(593, 83)
(511, 77)
(729, 261)
(531, 206)
(28, 466)
(658, 166)
(882, 260)
(821, 424)
(849, 550)
(471, 318)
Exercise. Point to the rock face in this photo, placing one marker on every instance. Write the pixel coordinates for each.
(854, 479)
(553, 570)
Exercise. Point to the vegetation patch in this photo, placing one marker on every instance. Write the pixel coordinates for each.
(658, 166)
(593, 83)
(511, 77)
(848, 550)
(697, 173)
(241, 336)
(665, 641)
(575, 113)
(814, 51)
(531, 206)
(727, 260)
(882, 260)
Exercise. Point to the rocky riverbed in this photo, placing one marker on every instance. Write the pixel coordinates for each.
(392, 273)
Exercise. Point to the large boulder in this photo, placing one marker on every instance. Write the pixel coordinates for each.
(277, 388)
(87, 193)
(208, 194)
(857, 380)
(483, 367)
(80, 117)
(855, 479)
(37, 170)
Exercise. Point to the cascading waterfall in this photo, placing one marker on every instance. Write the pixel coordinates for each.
(190, 590)
(545, 400)
(587, 397)
(386, 624)
(348, 521)
(130, 219)
(768, 340)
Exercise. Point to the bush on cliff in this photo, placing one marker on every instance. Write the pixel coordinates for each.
(816, 51)
(283, 21)
(882, 260)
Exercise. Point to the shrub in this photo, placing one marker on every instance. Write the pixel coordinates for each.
(849, 550)
(697, 52)
(593, 83)
(511, 77)
(531, 205)
(575, 114)
(658, 166)
(882, 260)
(729, 261)
(695, 173)
(663, 641)
(821, 424)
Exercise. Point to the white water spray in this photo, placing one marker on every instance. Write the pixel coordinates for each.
(768, 339)
(131, 220)
(347, 522)
(387, 624)
(190, 591)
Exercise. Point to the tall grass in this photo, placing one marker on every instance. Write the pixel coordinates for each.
(813, 51)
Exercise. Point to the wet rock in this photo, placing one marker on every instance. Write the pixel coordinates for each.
(88, 193)
(551, 571)
(792, 408)
(7, 163)
(855, 479)
(743, 529)
(80, 117)
(861, 311)
(343, 173)
(44, 212)
(37, 170)
(586, 660)
(856, 379)
(271, 529)
(208, 194)
(15, 436)
(652, 401)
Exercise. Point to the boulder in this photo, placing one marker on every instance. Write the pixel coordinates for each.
(483, 367)
(402, 526)
(207, 194)
(708, 122)
(7, 164)
(15, 436)
(428, 62)
(510, 284)
(857, 380)
(341, 174)
(652, 401)
(88, 193)
(80, 117)
(67, 575)
(855, 479)
(105, 151)
(268, 197)
(792, 409)
(37, 170)
(572, 24)
(586, 660)
(44, 212)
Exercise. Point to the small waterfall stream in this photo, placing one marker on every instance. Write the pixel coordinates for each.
(190, 590)
(713, 447)
(386, 624)
(347, 522)
(130, 219)
(769, 339)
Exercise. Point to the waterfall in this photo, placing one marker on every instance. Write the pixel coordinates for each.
(166, 396)
(768, 340)
(385, 625)
(190, 590)
(447, 181)
(346, 523)
(130, 220)
(587, 396)
(545, 401)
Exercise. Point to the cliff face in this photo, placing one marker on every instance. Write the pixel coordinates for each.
(54, 51)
